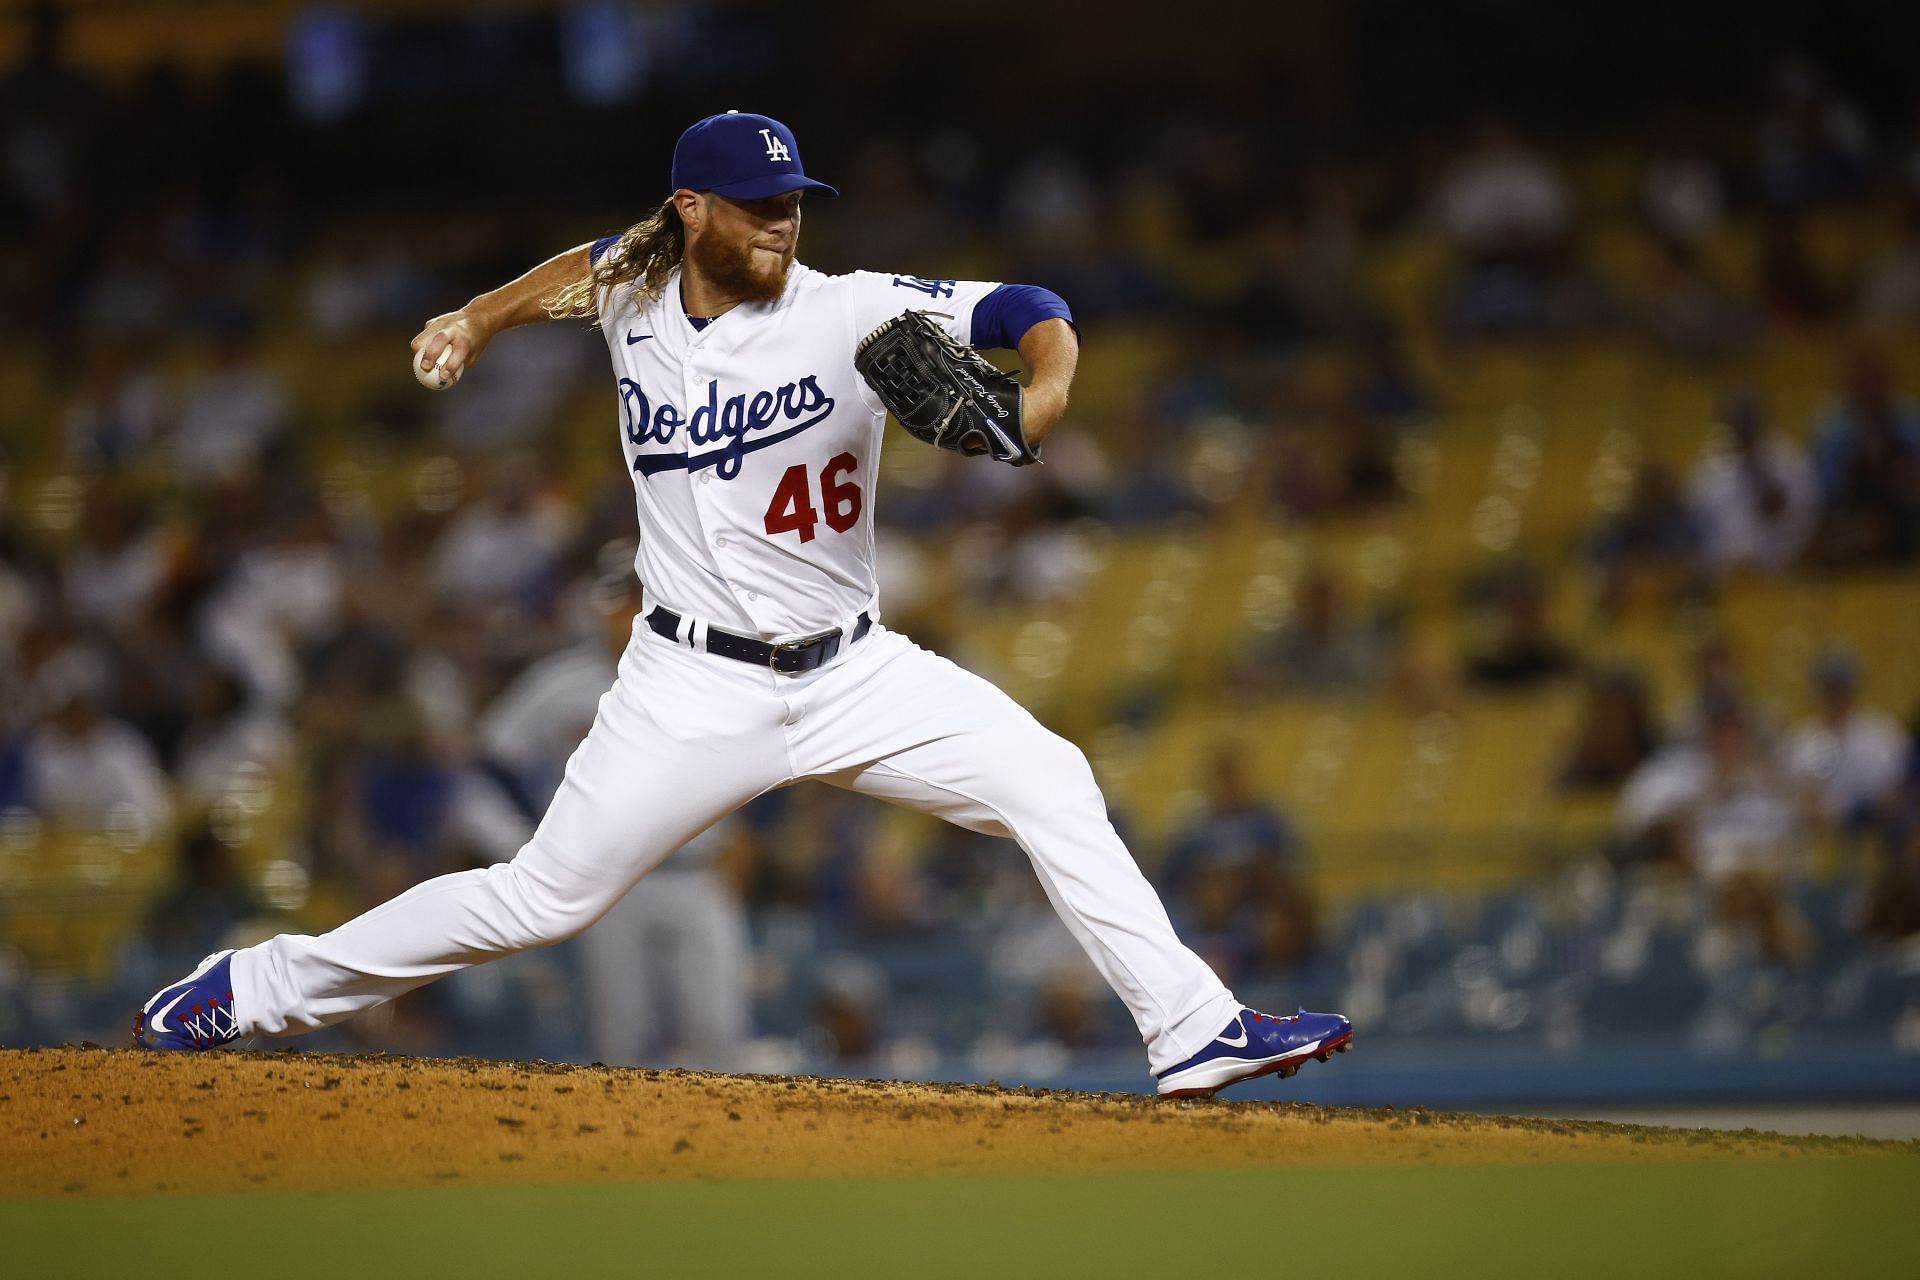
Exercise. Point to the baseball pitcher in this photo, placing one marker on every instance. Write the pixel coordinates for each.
(753, 395)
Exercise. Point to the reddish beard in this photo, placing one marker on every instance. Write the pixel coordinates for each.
(730, 267)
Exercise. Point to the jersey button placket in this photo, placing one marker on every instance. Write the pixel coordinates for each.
(696, 393)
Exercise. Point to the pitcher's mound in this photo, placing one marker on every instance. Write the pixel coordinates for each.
(100, 1121)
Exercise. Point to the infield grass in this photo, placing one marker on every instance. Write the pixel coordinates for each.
(1799, 1216)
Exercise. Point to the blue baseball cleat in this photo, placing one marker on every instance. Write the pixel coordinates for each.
(194, 1013)
(1257, 1044)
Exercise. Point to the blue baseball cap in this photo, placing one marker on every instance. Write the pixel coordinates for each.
(739, 154)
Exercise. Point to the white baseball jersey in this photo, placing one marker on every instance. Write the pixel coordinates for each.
(753, 445)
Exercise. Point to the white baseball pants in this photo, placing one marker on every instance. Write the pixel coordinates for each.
(684, 738)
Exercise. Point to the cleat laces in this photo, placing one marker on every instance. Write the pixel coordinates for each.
(212, 1023)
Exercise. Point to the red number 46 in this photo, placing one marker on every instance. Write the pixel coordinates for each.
(792, 511)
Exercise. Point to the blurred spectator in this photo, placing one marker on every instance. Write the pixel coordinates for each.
(804, 830)
(1719, 682)
(667, 968)
(1682, 193)
(1848, 758)
(1867, 455)
(1148, 485)
(1893, 905)
(15, 790)
(20, 608)
(119, 563)
(503, 545)
(1384, 385)
(1718, 808)
(898, 220)
(158, 669)
(230, 414)
(1103, 273)
(1368, 475)
(228, 735)
(849, 1008)
(350, 290)
(1890, 285)
(1692, 317)
(1197, 383)
(1051, 201)
(280, 595)
(515, 393)
(1507, 213)
(1614, 735)
(120, 409)
(424, 807)
(1757, 501)
(207, 903)
(1298, 283)
(1235, 825)
(1502, 200)
(1233, 871)
(1792, 292)
(1071, 1014)
(1323, 647)
(1040, 550)
(1649, 548)
(126, 292)
(527, 732)
(1814, 145)
(1522, 649)
(85, 768)
(47, 108)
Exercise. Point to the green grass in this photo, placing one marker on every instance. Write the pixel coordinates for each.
(1799, 1216)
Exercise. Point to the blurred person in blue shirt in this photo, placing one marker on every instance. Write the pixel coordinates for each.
(1233, 869)
(1867, 454)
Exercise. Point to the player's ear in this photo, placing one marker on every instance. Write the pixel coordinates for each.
(692, 208)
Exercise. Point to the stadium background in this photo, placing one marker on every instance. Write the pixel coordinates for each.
(1442, 656)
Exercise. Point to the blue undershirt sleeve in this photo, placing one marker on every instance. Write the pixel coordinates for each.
(600, 246)
(1003, 317)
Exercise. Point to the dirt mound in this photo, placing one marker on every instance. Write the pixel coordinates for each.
(100, 1121)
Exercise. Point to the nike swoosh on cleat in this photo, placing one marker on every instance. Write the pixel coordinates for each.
(1241, 1043)
(631, 339)
(159, 1022)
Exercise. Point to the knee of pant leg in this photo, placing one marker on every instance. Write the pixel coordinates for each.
(541, 907)
(1052, 775)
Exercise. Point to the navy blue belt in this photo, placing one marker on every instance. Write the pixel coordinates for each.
(789, 659)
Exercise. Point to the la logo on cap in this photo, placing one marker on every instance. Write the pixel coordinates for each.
(715, 155)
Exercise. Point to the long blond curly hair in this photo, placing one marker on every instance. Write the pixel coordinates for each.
(642, 258)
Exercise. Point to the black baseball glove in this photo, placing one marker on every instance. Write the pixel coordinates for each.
(943, 392)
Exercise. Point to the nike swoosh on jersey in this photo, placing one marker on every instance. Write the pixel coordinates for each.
(633, 338)
(159, 1022)
(1241, 1043)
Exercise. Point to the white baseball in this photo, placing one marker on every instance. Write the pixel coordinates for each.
(435, 377)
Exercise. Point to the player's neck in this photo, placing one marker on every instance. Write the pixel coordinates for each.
(699, 296)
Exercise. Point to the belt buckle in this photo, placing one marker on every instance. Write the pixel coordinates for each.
(804, 642)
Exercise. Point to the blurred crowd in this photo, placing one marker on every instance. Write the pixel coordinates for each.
(212, 579)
